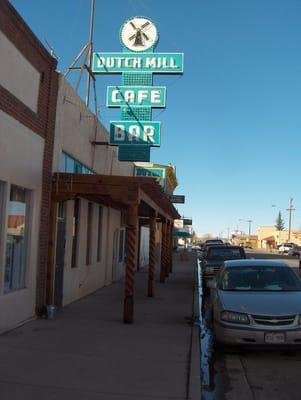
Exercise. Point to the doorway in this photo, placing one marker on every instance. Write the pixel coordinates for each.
(60, 255)
(115, 255)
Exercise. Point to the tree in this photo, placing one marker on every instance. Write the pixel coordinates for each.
(279, 222)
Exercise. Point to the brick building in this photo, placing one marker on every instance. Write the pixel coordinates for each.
(69, 210)
(28, 97)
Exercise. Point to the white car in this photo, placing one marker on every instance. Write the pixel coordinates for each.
(285, 247)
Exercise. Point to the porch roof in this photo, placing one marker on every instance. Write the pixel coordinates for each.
(116, 192)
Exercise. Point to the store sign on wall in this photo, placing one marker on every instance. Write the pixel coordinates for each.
(136, 96)
(157, 63)
(177, 198)
(154, 172)
(135, 133)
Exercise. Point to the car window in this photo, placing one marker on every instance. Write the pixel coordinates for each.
(259, 279)
(225, 253)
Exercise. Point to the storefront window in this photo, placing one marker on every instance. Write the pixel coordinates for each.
(71, 165)
(16, 242)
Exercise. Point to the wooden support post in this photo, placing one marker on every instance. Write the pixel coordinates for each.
(128, 310)
(152, 256)
(138, 246)
(167, 266)
(51, 253)
(163, 252)
(171, 247)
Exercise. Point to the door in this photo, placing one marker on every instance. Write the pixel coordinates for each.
(115, 255)
(60, 255)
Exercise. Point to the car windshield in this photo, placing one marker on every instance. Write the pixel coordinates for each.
(224, 253)
(258, 278)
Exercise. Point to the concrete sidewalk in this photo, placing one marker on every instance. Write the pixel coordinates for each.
(88, 353)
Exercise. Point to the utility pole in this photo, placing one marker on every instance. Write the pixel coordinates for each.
(250, 222)
(290, 209)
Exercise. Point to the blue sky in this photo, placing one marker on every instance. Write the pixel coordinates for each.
(232, 123)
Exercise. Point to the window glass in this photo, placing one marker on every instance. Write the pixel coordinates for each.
(224, 253)
(71, 165)
(63, 162)
(15, 266)
(259, 278)
(78, 167)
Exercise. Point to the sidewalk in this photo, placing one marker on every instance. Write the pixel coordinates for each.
(87, 353)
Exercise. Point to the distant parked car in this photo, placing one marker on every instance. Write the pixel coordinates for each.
(257, 302)
(214, 257)
(285, 247)
(213, 241)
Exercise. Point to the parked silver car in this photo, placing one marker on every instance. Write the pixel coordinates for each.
(257, 302)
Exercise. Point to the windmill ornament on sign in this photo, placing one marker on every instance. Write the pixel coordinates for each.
(139, 34)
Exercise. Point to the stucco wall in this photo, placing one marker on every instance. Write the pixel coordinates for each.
(18, 75)
(75, 129)
(144, 246)
(18, 166)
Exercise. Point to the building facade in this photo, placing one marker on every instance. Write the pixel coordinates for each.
(93, 234)
(72, 217)
(269, 237)
(28, 94)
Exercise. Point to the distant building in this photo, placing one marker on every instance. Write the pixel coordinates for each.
(245, 240)
(270, 237)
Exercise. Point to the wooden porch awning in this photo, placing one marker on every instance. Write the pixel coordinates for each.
(115, 191)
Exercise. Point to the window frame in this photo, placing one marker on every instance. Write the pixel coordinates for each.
(27, 237)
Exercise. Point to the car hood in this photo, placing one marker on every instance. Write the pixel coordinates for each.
(262, 303)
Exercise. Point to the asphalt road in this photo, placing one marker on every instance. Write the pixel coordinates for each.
(250, 374)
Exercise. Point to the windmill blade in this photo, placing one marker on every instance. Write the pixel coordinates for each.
(145, 25)
(133, 25)
(146, 37)
(132, 37)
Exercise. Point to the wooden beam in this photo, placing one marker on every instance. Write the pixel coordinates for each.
(103, 179)
(152, 204)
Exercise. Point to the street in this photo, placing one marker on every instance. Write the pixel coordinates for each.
(249, 374)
